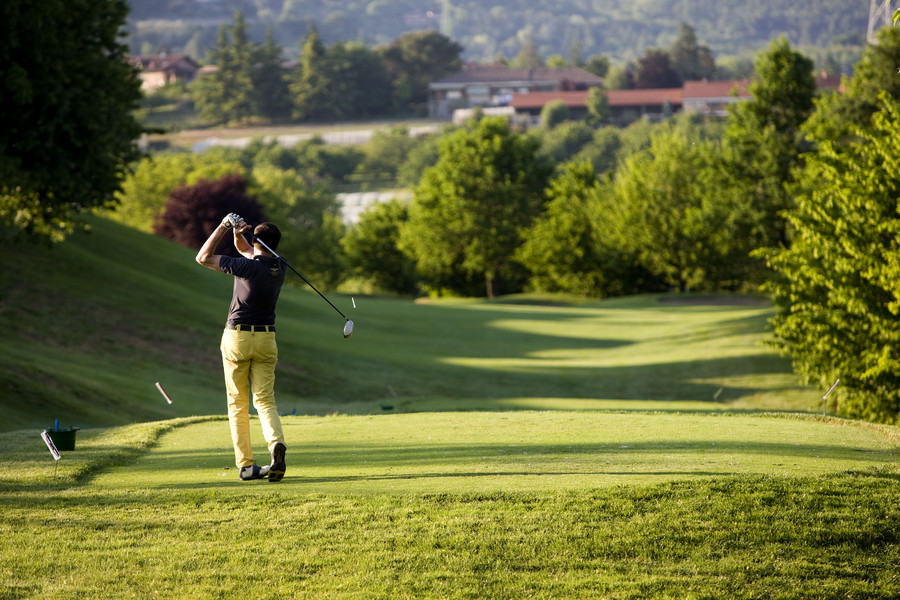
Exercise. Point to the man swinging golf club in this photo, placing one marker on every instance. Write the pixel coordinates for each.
(249, 352)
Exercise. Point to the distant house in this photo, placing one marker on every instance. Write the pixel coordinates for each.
(157, 70)
(713, 97)
(496, 85)
(625, 105)
(706, 97)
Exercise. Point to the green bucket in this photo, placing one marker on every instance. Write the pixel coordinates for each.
(63, 439)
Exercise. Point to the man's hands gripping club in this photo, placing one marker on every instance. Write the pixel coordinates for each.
(207, 256)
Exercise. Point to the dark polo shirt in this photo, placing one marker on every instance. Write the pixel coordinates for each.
(257, 283)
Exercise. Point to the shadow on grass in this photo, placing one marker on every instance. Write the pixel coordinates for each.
(393, 461)
(471, 351)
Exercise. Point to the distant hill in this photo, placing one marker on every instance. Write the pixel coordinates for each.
(620, 29)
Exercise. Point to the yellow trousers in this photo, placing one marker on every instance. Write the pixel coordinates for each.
(249, 360)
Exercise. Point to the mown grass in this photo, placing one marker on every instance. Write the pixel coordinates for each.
(459, 505)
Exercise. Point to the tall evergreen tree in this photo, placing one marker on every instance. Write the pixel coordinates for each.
(309, 88)
(270, 84)
(691, 60)
(227, 94)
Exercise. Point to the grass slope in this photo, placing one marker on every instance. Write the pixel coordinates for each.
(90, 325)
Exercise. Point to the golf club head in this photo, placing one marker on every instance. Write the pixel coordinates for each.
(348, 328)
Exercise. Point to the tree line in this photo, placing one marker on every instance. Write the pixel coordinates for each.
(498, 29)
(349, 80)
(338, 82)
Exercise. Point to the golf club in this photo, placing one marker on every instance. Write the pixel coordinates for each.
(348, 326)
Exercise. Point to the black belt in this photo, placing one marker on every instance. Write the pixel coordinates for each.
(240, 327)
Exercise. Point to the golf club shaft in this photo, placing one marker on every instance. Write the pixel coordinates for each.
(296, 272)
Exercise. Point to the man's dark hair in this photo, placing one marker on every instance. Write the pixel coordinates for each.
(269, 234)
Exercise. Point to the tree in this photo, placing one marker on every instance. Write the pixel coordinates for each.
(838, 294)
(691, 61)
(309, 88)
(227, 94)
(528, 57)
(193, 211)
(564, 141)
(598, 65)
(838, 115)
(679, 229)
(273, 99)
(764, 137)
(67, 127)
(372, 252)
(413, 61)
(560, 249)
(655, 70)
(554, 113)
(468, 210)
(598, 108)
(359, 86)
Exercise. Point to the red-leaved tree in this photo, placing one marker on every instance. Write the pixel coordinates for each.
(193, 211)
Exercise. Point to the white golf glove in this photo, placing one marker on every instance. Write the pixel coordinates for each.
(231, 220)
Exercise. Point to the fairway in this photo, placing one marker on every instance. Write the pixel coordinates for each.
(458, 453)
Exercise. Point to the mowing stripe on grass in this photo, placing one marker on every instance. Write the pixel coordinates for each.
(511, 452)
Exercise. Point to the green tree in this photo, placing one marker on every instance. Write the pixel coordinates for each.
(67, 128)
(528, 57)
(359, 85)
(680, 229)
(655, 70)
(598, 65)
(469, 208)
(691, 60)
(598, 108)
(554, 114)
(765, 140)
(564, 141)
(385, 152)
(146, 190)
(838, 114)
(273, 100)
(226, 94)
(603, 150)
(309, 87)
(561, 248)
(838, 294)
(371, 249)
(413, 61)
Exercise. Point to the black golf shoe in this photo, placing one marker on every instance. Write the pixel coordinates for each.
(277, 468)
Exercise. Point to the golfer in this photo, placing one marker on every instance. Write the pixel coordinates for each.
(249, 352)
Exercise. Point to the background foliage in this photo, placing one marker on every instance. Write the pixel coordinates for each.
(620, 29)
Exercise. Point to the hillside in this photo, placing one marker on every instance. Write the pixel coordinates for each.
(91, 325)
(620, 29)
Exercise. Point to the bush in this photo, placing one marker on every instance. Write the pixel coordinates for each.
(194, 211)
